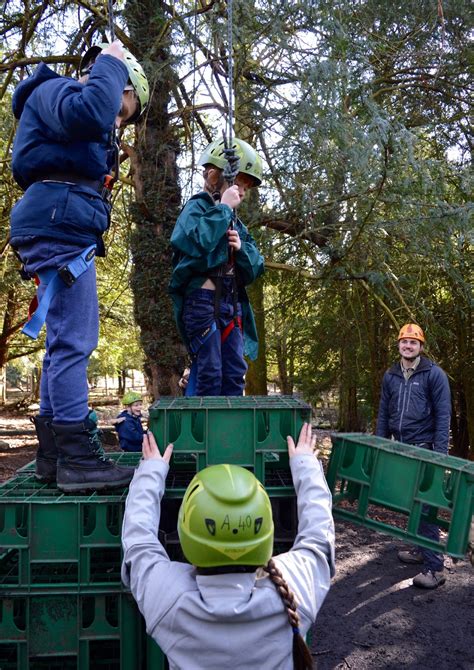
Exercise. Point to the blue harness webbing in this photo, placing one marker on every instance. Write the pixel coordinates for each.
(54, 280)
(198, 340)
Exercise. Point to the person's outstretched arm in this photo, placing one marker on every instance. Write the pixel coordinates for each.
(143, 553)
(309, 565)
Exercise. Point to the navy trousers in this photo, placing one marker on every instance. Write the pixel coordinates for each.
(72, 331)
(432, 559)
(220, 365)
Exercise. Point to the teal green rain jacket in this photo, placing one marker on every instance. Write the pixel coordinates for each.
(199, 242)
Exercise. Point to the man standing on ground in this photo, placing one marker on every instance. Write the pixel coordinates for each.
(415, 408)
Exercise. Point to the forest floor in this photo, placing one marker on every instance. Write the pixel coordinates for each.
(373, 618)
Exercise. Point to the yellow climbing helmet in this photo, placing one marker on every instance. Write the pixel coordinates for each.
(410, 331)
(225, 519)
(249, 161)
(136, 76)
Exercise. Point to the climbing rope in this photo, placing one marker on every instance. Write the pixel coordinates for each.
(193, 102)
(230, 67)
(232, 167)
(114, 143)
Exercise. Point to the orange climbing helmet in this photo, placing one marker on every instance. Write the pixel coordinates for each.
(410, 331)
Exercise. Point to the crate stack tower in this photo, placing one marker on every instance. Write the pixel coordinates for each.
(62, 604)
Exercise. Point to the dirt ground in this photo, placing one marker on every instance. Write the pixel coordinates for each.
(373, 618)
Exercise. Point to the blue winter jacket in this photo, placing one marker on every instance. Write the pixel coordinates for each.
(416, 411)
(64, 127)
(130, 432)
(200, 245)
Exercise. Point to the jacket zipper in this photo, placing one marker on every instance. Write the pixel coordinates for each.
(403, 410)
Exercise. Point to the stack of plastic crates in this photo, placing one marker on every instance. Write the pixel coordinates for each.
(250, 431)
(390, 486)
(62, 602)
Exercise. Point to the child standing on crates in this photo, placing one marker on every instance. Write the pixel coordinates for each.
(214, 259)
(233, 605)
(128, 424)
(62, 155)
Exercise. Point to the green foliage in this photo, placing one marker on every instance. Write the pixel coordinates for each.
(360, 110)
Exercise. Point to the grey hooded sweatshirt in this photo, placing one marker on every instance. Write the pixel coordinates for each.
(238, 621)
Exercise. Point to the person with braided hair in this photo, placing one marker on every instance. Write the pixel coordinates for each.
(230, 605)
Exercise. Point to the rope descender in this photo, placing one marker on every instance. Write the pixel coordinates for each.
(110, 179)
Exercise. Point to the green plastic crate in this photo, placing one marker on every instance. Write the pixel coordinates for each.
(49, 540)
(369, 475)
(73, 631)
(155, 659)
(250, 431)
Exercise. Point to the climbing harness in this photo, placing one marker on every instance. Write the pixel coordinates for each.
(197, 342)
(55, 280)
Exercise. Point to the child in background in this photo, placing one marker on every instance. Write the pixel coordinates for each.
(213, 261)
(233, 605)
(128, 424)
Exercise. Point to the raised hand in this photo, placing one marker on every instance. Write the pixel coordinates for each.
(150, 449)
(306, 442)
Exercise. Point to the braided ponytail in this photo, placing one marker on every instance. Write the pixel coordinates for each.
(302, 658)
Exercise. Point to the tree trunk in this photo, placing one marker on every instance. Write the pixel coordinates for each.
(122, 382)
(282, 363)
(3, 384)
(157, 205)
(36, 382)
(375, 326)
(348, 411)
(464, 445)
(9, 317)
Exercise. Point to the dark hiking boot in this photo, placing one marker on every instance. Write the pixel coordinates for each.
(47, 454)
(411, 556)
(429, 579)
(82, 463)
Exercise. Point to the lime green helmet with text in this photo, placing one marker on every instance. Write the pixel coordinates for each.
(225, 519)
(250, 162)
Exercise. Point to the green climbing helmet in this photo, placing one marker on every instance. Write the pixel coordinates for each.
(250, 162)
(225, 519)
(136, 75)
(130, 397)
